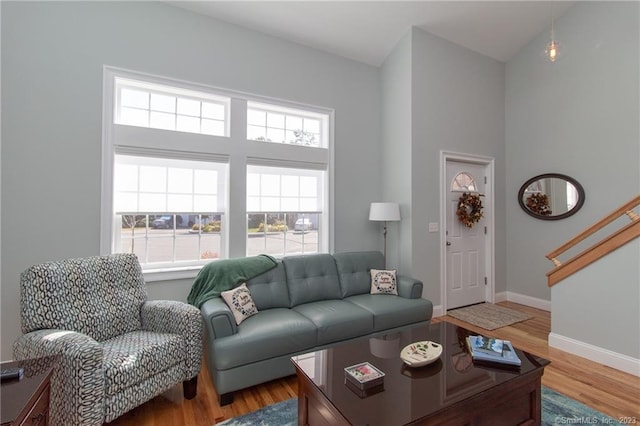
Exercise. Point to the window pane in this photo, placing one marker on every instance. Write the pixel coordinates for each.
(163, 103)
(153, 179)
(134, 117)
(188, 107)
(210, 246)
(126, 177)
(125, 202)
(206, 182)
(270, 185)
(255, 117)
(275, 120)
(212, 127)
(256, 133)
(253, 204)
(275, 135)
(290, 186)
(290, 204)
(179, 203)
(162, 120)
(134, 98)
(188, 124)
(253, 184)
(180, 180)
(294, 123)
(203, 203)
(312, 125)
(160, 247)
(308, 186)
(187, 247)
(213, 111)
(270, 204)
(309, 205)
(152, 202)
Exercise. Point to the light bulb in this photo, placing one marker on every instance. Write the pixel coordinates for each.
(551, 52)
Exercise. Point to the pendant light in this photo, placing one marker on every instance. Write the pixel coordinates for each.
(552, 49)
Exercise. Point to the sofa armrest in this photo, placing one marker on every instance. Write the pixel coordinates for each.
(78, 382)
(409, 288)
(172, 316)
(218, 319)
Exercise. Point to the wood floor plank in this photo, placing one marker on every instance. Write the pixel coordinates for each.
(610, 391)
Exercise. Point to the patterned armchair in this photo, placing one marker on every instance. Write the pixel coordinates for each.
(117, 349)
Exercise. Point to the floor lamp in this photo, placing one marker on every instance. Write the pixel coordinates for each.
(385, 212)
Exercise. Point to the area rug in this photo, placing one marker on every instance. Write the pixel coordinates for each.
(557, 409)
(488, 315)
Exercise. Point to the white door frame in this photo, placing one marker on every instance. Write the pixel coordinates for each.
(489, 217)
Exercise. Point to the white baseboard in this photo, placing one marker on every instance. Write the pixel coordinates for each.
(510, 296)
(523, 299)
(438, 311)
(595, 353)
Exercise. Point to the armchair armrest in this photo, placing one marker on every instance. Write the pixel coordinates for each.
(175, 317)
(218, 319)
(409, 288)
(77, 385)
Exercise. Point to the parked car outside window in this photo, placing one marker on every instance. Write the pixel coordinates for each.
(303, 224)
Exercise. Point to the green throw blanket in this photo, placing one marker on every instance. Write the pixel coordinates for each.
(222, 275)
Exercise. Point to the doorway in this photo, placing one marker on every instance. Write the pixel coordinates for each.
(467, 253)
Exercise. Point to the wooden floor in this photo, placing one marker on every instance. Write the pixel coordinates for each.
(608, 390)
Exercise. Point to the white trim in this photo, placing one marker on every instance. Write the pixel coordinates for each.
(490, 265)
(523, 299)
(438, 311)
(597, 354)
(231, 149)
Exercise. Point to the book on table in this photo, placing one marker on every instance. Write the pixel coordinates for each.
(507, 356)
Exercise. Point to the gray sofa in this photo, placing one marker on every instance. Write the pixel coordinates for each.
(306, 303)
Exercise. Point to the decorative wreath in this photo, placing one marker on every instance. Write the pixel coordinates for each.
(469, 209)
(539, 203)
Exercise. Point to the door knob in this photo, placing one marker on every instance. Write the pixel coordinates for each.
(448, 243)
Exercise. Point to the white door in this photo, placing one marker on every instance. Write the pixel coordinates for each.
(465, 246)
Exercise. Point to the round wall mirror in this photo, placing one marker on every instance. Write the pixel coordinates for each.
(551, 196)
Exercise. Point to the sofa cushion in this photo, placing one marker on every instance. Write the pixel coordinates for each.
(269, 290)
(312, 278)
(353, 270)
(133, 357)
(270, 333)
(393, 311)
(337, 320)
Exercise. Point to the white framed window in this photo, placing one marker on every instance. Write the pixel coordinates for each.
(463, 182)
(178, 190)
(277, 124)
(157, 106)
(284, 210)
(169, 212)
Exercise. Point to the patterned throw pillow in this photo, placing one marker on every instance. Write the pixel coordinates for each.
(240, 302)
(383, 282)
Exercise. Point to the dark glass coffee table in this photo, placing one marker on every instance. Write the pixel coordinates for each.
(452, 391)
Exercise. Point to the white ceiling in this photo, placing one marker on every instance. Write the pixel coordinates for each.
(367, 31)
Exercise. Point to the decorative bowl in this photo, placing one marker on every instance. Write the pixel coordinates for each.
(421, 353)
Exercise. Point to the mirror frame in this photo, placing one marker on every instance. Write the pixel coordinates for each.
(574, 210)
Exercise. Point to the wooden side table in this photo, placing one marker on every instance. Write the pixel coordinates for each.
(26, 401)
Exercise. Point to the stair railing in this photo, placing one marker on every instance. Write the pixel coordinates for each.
(598, 250)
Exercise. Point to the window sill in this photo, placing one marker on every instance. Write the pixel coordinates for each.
(186, 272)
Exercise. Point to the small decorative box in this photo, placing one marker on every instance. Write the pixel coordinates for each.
(364, 375)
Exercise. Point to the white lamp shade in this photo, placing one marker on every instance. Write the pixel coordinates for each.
(384, 211)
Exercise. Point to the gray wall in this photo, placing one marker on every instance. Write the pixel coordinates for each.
(579, 116)
(457, 105)
(52, 59)
(395, 161)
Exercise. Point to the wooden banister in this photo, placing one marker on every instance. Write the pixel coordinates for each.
(598, 250)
